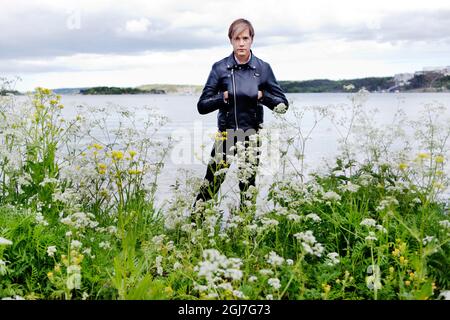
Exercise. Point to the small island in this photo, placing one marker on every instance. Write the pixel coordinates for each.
(119, 90)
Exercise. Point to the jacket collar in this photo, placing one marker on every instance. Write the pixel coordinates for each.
(232, 64)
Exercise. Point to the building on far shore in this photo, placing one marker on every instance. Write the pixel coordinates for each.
(402, 79)
(442, 70)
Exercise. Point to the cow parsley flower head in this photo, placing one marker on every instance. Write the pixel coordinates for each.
(280, 108)
(51, 251)
(5, 242)
(274, 259)
(333, 259)
(274, 283)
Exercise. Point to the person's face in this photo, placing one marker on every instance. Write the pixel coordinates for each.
(242, 43)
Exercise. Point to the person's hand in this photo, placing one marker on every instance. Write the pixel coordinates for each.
(260, 94)
(225, 96)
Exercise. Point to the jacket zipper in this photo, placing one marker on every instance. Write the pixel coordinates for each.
(234, 95)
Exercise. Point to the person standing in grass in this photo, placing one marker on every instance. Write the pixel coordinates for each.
(238, 86)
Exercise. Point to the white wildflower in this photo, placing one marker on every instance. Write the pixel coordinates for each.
(177, 266)
(333, 259)
(239, 294)
(444, 294)
(445, 224)
(314, 217)
(275, 283)
(158, 241)
(368, 223)
(47, 180)
(371, 236)
(386, 203)
(331, 196)
(309, 243)
(427, 240)
(280, 108)
(266, 272)
(159, 268)
(73, 281)
(2, 267)
(274, 259)
(350, 187)
(226, 286)
(40, 219)
(104, 245)
(338, 173)
(75, 244)
(381, 228)
(51, 251)
(269, 222)
(293, 217)
(16, 297)
(373, 282)
(5, 242)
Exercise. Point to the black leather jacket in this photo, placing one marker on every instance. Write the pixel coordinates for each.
(243, 110)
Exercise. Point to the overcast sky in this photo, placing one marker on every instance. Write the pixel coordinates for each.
(67, 43)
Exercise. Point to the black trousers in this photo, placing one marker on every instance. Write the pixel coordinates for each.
(227, 145)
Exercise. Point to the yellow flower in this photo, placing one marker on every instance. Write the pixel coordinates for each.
(134, 171)
(326, 288)
(395, 252)
(50, 275)
(117, 155)
(97, 146)
(423, 155)
(411, 275)
(407, 283)
(223, 163)
(221, 135)
(132, 153)
(102, 168)
(403, 260)
(168, 290)
(391, 269)
(439, 159)
(402, 166)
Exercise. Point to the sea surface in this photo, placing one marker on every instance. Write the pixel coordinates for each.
(193, 131)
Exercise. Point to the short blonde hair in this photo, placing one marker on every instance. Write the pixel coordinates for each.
(238, 26)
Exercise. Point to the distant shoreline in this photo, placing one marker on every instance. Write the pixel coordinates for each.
(422, 83)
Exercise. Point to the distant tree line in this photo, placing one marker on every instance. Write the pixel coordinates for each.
(325, 85)
(4, 92)
(117, 90)
(428, 80)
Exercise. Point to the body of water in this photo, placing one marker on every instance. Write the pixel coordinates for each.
(186, 121)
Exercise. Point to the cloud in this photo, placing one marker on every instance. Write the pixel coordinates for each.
(68, 37)
(48, 30)
(140, 25)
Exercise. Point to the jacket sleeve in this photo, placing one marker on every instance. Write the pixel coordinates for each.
(273, 95)
(211, 99)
